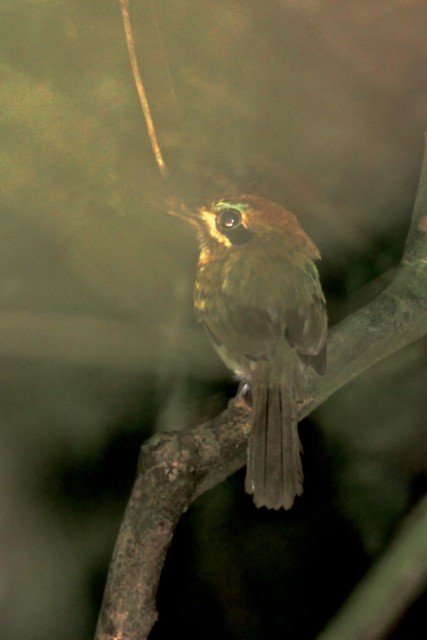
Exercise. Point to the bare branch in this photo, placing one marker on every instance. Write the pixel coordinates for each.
(176, 468)
(382, 597)
(416, 242)
(172, 470)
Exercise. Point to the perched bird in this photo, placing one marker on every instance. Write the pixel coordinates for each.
(258, 294)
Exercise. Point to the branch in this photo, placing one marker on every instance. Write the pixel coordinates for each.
(382, 597)
(124, 6)
(416, 242)
(175, 468)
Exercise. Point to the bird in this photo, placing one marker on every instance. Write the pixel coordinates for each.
(258, 294)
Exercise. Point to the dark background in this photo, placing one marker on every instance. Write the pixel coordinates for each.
(318, 105)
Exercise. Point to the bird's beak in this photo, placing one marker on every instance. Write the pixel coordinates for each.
(179, 210)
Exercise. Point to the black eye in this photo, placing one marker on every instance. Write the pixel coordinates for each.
(228, 219)
(229, 223)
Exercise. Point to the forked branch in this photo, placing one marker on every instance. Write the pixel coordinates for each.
(175, 468)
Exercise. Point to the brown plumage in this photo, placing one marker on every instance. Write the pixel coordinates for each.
(258, 293)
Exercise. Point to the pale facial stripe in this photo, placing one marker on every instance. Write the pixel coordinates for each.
(210, 218)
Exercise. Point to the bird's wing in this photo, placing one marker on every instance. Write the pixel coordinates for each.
(243, 330)
(306, 330)
(306, 322)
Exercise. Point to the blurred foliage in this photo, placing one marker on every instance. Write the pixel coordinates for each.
(318, 105)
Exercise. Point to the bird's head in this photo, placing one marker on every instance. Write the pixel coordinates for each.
(247, 220)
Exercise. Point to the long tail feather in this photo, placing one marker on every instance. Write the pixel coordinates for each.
(274, 471)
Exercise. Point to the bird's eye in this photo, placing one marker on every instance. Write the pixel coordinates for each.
(230, 224)
(228, 219)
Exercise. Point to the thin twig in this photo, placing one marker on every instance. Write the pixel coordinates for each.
(124, 5)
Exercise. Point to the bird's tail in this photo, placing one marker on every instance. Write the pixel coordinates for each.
(274, 471)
